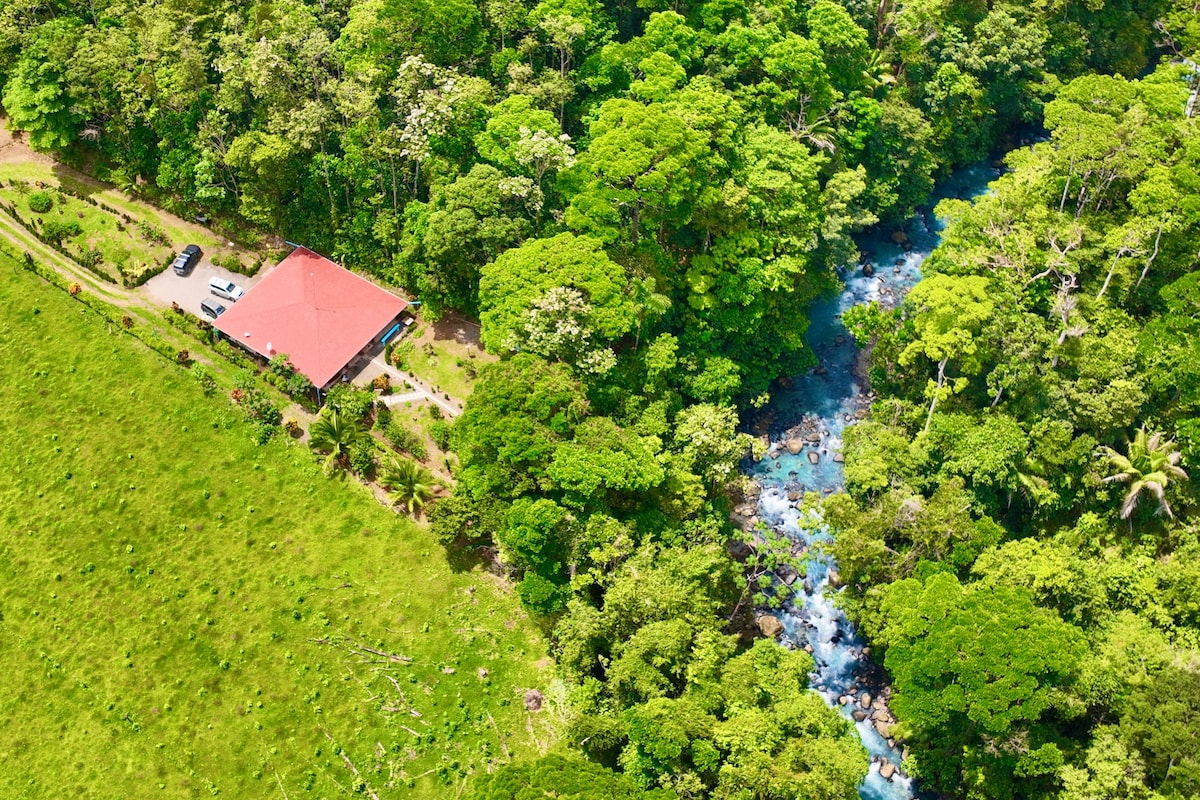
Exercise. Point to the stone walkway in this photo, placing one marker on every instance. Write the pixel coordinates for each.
(418, 390)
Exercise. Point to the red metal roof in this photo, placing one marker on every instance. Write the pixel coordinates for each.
(318, 313)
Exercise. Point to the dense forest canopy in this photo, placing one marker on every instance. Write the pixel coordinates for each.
(639, 201)
(723, 152)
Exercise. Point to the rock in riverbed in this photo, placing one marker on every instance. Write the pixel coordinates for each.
(769, 625)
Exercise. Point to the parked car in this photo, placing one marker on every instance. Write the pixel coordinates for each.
(226, 289)
(212, 308)
(186, 259)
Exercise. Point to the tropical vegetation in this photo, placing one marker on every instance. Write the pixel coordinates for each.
(639, 202)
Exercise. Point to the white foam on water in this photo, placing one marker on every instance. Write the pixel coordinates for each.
(830, 398)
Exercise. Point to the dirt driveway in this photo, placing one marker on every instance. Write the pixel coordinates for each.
(188, 290)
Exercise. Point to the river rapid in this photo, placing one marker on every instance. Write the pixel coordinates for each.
(807, 420)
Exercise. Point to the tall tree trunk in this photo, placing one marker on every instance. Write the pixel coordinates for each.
(1150, 260)
(941, 381)
(1121, 251)
(1066, 186)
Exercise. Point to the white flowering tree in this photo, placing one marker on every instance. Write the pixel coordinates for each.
(562, 298)
(558, 327)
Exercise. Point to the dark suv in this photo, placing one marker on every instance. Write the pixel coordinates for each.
(186, 258)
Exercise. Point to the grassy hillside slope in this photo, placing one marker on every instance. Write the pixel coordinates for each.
(187, 614)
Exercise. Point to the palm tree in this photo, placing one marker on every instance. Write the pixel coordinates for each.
(408, 484)
(334, 434)
(1151, 465)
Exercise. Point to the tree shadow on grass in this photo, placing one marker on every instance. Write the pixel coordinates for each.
(463, 556)
(74, 183)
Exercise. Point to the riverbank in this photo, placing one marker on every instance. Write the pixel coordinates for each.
(804, 425)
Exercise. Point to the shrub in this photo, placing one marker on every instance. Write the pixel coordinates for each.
(382, 383)
(40, 202)
(54, 231)
(350, 401)
(439, 431)
(362, 457)
(74, 289)
(152, 233)
(230, 352)
(402, 438)
(205, 378)
(255, 403)
(281, 372)
(293, 427)
(126, 321)
(400, 353)
(183, 356)
(416, 447)
(89, 256)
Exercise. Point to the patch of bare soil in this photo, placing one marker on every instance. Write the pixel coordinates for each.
(14, 150)
(458, 328)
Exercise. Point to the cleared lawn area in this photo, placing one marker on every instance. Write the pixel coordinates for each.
(123, 243)
(444, 363)
(186, 613)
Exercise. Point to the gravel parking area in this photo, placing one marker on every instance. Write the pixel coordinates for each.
(188, 290)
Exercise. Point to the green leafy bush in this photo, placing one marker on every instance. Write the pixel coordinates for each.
(350, 401)
(40, 202)
(204, 377)
(55, 230)
(400, 351)
(402, 438)
(283, 374)
(362, 457)
(439, 431)
(256, 404)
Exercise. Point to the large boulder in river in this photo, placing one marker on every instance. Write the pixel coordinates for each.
(886, 770)
(814, 457)
(899, 237)
(769, 625)
(865, 700)
(794, 446)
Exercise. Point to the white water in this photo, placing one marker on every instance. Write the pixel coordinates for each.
(822, 403)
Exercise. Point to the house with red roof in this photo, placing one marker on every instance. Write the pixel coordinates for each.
(319, 313)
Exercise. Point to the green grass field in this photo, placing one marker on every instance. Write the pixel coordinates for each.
(187, 614)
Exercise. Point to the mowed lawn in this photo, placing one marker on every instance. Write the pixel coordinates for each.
(184, 613)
